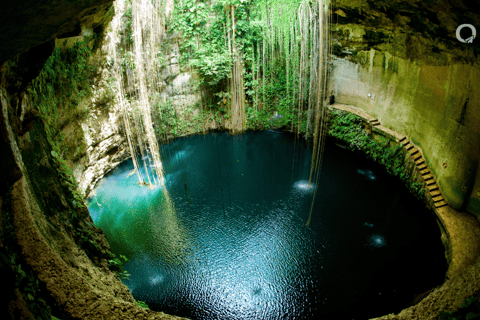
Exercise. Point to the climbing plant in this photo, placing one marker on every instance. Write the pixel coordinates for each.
(117, 264)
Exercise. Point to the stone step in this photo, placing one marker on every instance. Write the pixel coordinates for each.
(420, 161)
(430, 182)
(437, 198)
(440, 204)
(416, 156)
(376, 123)
(432, 187)
(423, 167)
(409, 146)
(435, 193)
(428, 176)
(424, 171)
(406, 141)
(413, 151)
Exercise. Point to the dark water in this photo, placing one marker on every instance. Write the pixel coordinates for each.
(236, 245)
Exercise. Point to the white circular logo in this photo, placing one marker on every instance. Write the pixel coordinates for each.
(468, 40)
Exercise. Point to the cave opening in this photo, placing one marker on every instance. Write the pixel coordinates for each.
(135, 90)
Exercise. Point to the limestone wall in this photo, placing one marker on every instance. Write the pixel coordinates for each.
(437, 106)
(99, 141)
(402, 63)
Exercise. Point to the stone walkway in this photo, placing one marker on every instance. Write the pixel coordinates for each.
(463, 233)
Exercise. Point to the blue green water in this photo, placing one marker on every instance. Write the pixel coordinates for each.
(235, 245)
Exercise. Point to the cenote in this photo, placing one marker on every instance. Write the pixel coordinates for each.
(235, 245)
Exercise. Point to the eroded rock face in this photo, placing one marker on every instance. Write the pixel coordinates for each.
(26, 24)
(106, 148)
(58, 255)
(420, 31)
(181, 91)
(105, 144)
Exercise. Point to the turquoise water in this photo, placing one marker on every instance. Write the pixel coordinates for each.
(226, 237)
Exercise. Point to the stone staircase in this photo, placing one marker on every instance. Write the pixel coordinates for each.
(374, 122)
(434, 192)
(434, 195)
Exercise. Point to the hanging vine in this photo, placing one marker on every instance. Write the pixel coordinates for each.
(256, 60)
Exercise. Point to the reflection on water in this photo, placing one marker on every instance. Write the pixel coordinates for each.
(367, 173)
(232, 244)
(156, 279)
(377, 241)
(304, 185)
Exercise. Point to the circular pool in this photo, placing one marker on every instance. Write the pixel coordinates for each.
(226, 237)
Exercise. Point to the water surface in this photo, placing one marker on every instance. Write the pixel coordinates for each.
(235, 246)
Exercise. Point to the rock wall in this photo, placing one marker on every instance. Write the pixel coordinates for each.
(106, 147)
(26, 24)
(55, 261)
(404, 65)
(105, 144)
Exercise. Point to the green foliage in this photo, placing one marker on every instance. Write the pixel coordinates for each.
(168, 121)
(68, 178)
(349, 128)
(30, 288)
(470, 309)
(213, 64)
(258, 118)
(64, 170)
(64, 81)
(205, 26)
(177, 122)
(203, 45)
(267, 45)
(128, 23)
(265, 36)
(117, 264)
(128, 62)
(142, 304)
(86, 240)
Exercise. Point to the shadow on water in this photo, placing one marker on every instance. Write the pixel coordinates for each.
(235, 245)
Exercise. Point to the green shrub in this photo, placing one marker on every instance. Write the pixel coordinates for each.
(117, 264)
(142, 304)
